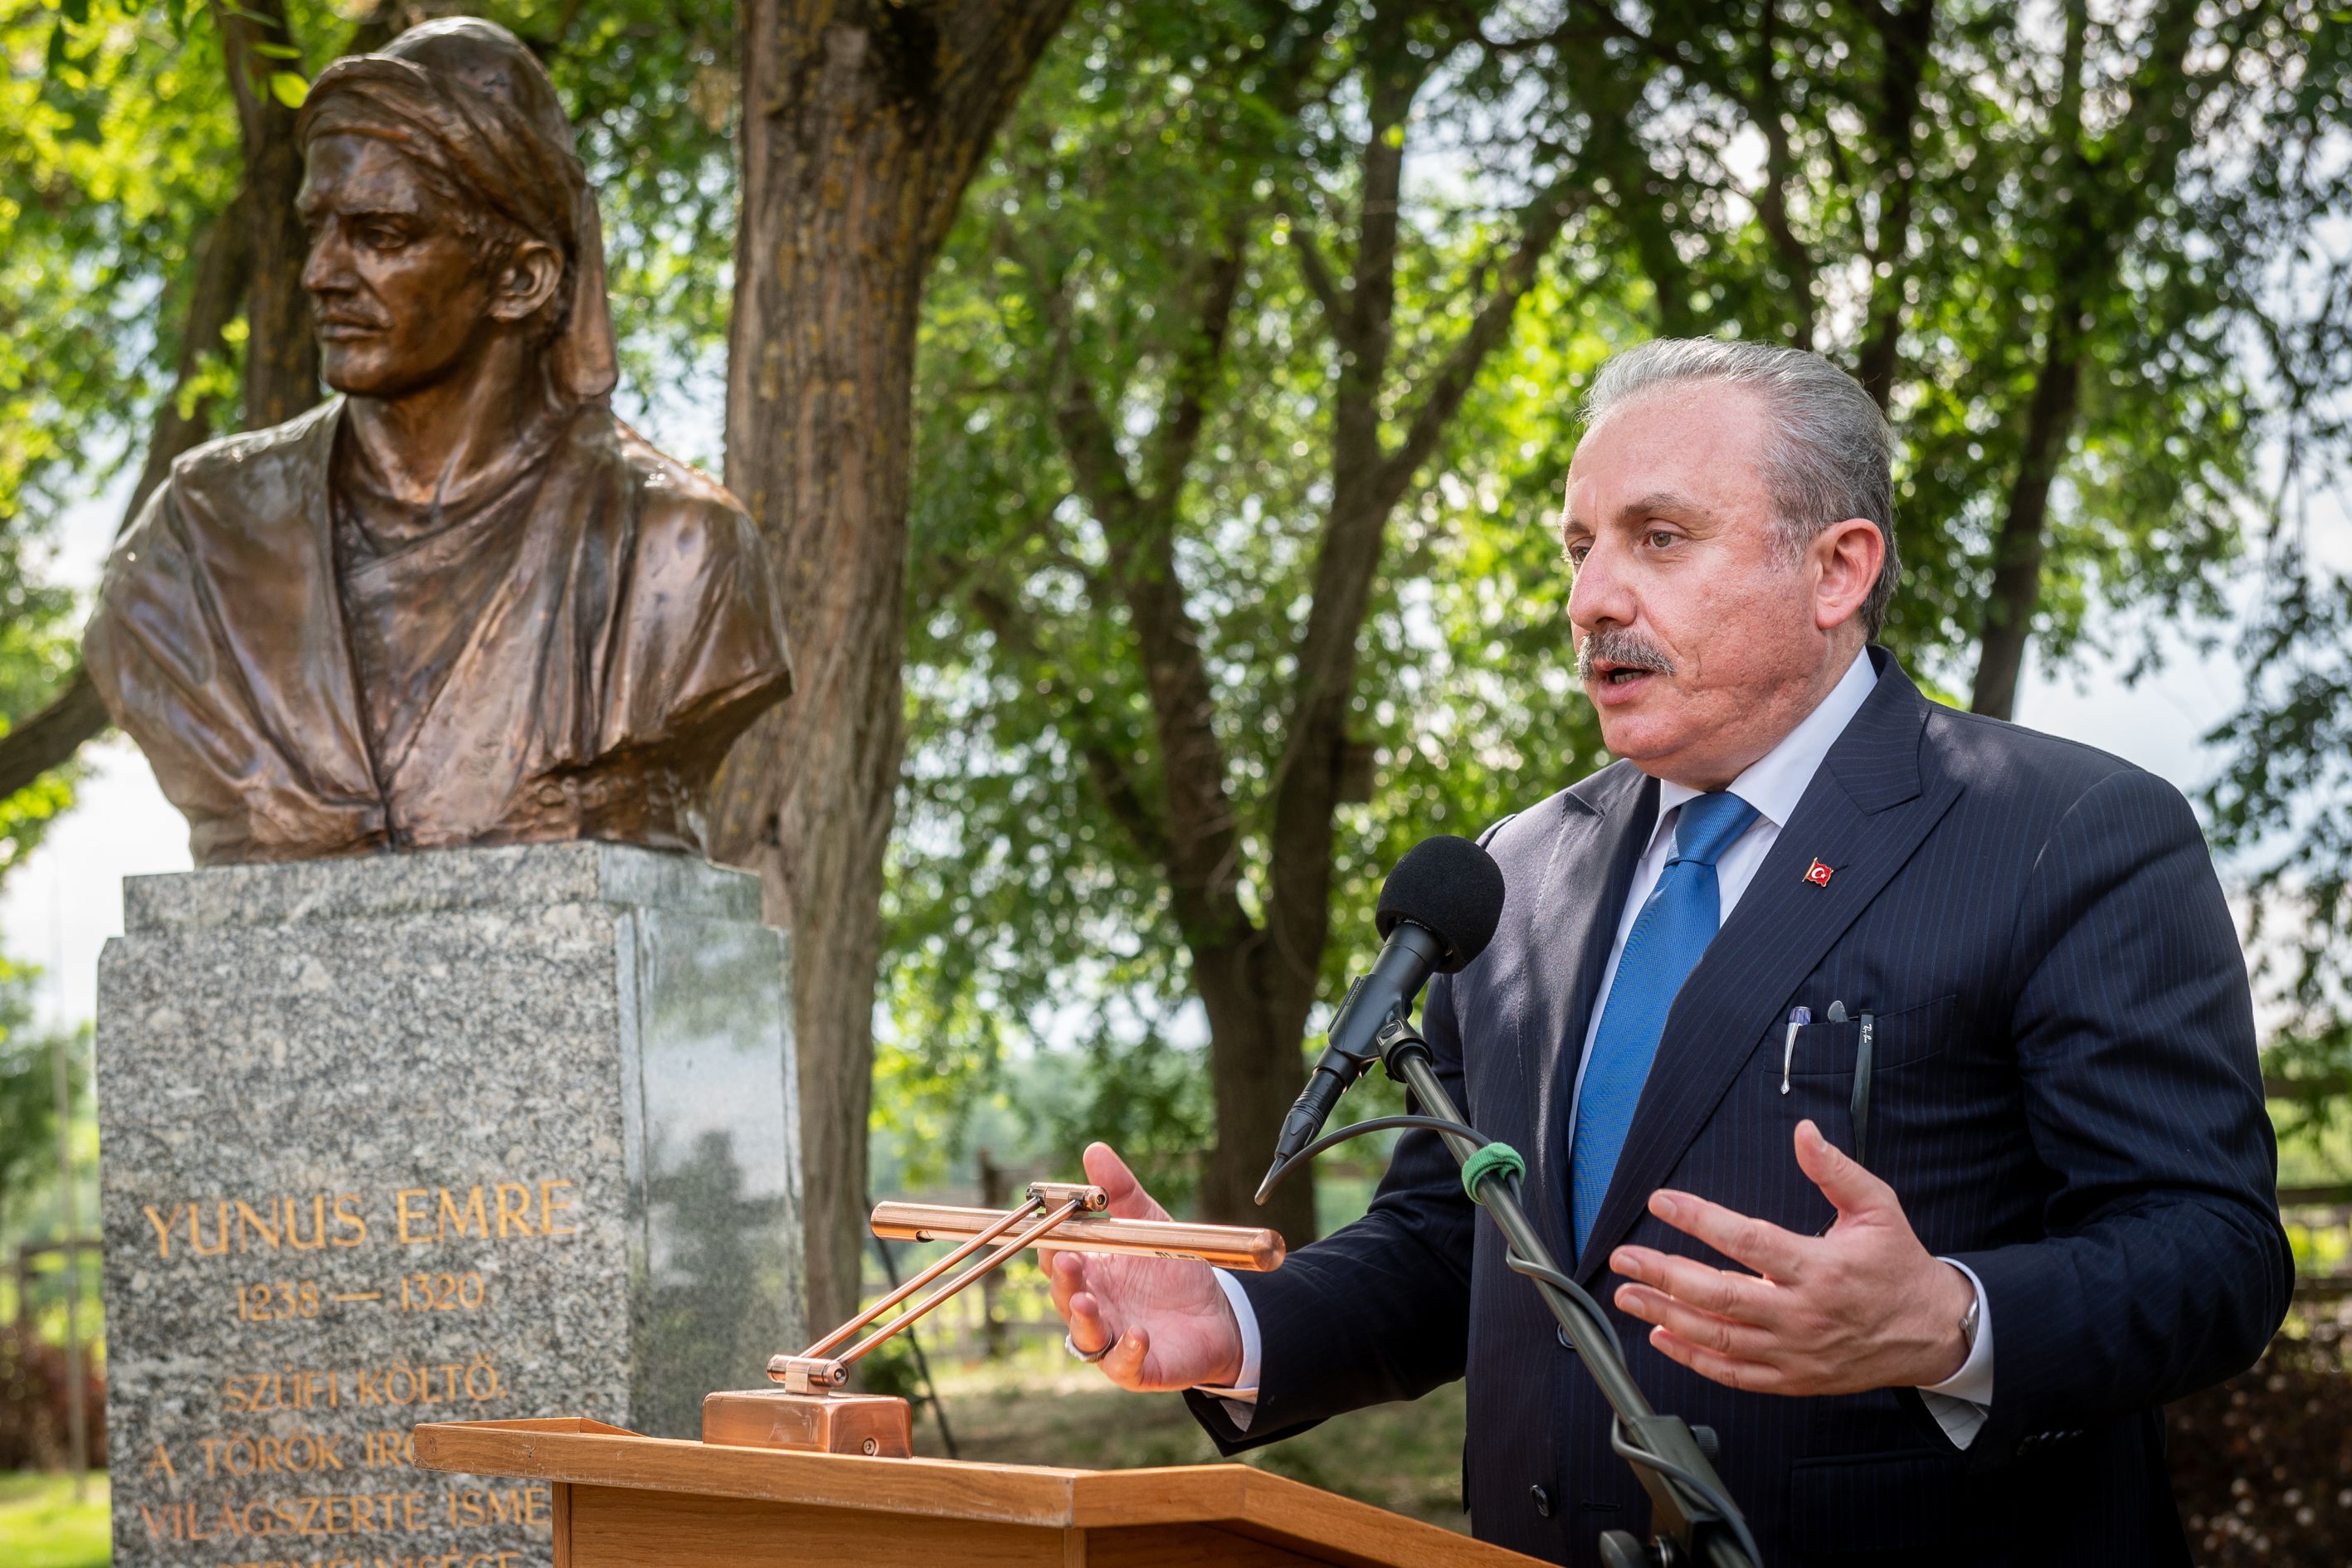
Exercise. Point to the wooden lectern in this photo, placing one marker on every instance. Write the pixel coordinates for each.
(626, 1502)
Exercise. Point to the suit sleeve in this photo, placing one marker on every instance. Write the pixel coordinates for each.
(1379, 1311)
(2163, 1268)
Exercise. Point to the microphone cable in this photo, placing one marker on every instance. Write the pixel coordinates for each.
(1619, 1444)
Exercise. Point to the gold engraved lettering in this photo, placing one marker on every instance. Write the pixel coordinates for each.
(518, 1210)
(472, 1210)
(549, 1208)
(196, 1234)
(162, 1224)
(382, 1450)
(345, 1219)
(248, 1220)
(513, 1505)
(293, 1209)
(400, 1208)
(162, 1460)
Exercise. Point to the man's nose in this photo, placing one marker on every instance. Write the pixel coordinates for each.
(1600, 593)
(329, 262)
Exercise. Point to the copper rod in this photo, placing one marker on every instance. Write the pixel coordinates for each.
(1243, 1248)
(1004, 1222)
(1016, 1245)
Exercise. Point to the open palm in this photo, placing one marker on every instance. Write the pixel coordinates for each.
(1173, 1326)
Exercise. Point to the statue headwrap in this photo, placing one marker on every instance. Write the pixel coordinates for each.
(465, 99)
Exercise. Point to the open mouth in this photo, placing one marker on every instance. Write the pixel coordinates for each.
(1616, 664)
(1611, 683)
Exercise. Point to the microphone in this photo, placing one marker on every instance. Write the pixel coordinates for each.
(1438, 911)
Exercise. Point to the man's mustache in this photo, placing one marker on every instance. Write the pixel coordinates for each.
(340, 310)
(1619, 649)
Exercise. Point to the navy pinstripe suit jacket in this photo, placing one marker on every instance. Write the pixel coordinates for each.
(2065, 1095)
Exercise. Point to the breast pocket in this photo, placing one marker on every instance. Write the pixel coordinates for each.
(1832, 1072)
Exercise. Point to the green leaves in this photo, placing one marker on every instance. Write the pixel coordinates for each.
(288, 88)
(1767, 187)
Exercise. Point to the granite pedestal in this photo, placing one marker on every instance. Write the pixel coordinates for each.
(474, 1134)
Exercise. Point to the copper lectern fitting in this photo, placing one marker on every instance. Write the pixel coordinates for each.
(784, 1368)
(1090, 1199)
(808, 1374)
(1252, 1249)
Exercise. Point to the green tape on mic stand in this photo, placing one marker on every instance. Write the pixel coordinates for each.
(1489, 1160)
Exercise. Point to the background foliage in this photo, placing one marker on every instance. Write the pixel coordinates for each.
(2095, 250)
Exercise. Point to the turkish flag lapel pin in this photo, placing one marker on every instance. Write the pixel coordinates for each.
(1818, 874)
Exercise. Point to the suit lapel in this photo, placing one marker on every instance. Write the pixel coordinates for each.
(1866, 810)
(1606, 822)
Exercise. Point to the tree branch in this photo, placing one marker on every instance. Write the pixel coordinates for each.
(983, 52)
(1014, 632)
(50, 737)
(1773, 201)
(1539, 226)
(1199, 363)
(1317, 274)
(1366, 484)
(1905, 36)
(1203, 840)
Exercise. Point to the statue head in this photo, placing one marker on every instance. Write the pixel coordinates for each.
(448, 209)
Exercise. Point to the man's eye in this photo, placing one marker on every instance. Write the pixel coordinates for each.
(1577, 551)
(1661, 538)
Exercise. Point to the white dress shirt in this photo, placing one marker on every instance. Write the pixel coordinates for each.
(1773, 785)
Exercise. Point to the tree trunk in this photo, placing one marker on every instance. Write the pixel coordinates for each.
(1256, 1071)
(2021, 542)
(281, 352)
(1906, 36)
(862, 123)
(2109, 193)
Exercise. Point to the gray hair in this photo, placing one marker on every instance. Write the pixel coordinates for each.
(1832, 458)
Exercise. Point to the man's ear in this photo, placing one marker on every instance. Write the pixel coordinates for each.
(528, 280)
(1846, 557)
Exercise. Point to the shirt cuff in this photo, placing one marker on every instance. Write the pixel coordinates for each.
(1962, 1402)
(1240, 1401)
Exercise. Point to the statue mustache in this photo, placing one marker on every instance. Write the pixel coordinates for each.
(1625, 650)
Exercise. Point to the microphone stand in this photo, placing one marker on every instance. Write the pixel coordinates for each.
(1693, 1516)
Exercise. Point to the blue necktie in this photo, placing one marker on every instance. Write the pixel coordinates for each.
(1668, 936)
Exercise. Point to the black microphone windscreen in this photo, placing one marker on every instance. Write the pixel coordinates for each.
(1448, 887)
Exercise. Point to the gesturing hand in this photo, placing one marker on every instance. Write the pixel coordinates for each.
(1862, 1306)
(1173, 1326)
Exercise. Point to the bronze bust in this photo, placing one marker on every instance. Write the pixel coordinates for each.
(461, 603)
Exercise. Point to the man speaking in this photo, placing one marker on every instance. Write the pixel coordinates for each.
(1888, 1072)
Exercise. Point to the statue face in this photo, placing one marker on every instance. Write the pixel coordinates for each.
(399, 298)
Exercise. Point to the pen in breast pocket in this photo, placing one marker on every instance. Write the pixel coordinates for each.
(1798, 1018)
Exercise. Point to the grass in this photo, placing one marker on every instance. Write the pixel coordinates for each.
(41, 1526)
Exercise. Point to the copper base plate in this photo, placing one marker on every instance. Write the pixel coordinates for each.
(875, 1425)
